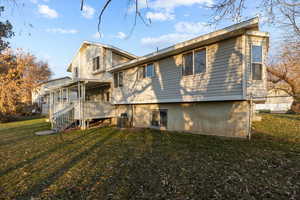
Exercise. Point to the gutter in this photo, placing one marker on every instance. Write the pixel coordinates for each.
(231, 31)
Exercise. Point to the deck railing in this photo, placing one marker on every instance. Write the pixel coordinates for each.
(94, 110)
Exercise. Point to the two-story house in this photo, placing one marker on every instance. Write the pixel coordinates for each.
(204, 85)
(87, 96)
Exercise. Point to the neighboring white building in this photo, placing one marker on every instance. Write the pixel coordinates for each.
(277, 101)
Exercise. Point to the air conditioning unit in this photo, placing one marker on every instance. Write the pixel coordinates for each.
(123, 121)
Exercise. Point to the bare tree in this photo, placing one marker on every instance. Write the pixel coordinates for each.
(280, 12)
(285, 72)
(283, 12)
(134, 4)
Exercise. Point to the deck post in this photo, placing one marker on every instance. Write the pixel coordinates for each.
(83, 106)
(51, 108)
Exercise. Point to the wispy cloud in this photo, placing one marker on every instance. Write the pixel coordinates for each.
(192, 27)
(160, 16)
(97, 35)
(88, 12)
(47, 12)
(165, 40)
(121, 35)
(62, 31)
(36, 1)
(170, 5)
(183, 31)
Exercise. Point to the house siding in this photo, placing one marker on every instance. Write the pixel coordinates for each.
(222, 79)
(227, 118)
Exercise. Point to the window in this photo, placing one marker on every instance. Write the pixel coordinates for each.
(159, 118)
(76, 72)
(200, 61)
(146, 71)
(188, 64)
(96, 63)
(194, 62)
(107, 97)
(149, 70)
(64, 94)
(141, 73)
(118, 79)
(256, 62)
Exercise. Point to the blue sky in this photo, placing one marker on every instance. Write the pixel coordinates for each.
(54, 29)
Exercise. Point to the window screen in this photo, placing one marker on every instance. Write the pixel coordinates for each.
(163, 118)
(116, 84)
(256, 71)
(200, 61)
(159, 118)
(120, 79)
(188, 64)
(155, 118)
(96, 63)
(141, 72)
(76, 72)
(150, 70)
(256, 55)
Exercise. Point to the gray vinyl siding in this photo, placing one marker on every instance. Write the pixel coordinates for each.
(84, 62)
(221, 81)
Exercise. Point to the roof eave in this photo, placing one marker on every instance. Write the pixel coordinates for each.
(231, 31)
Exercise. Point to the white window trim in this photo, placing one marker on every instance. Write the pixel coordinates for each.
(143, 69)
(153, 74)
(118, 79)
(97, 70)
(193, 53)
(262, 61)
(159, 126)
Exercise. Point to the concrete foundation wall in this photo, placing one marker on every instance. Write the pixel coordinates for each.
(227, 118)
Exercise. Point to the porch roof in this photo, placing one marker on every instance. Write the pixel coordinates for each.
(88, 82)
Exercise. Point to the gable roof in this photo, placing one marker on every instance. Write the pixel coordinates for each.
(228, 32)
(113, 48)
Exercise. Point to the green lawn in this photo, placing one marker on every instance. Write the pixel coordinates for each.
(107, 163)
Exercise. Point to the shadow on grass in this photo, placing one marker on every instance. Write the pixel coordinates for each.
(57, 147)
(39, 187)
(165, 165)
(14, 141)
(290, 117)
(31, 128)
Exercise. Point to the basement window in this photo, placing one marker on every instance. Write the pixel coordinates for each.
(159, 118)
(256, 62)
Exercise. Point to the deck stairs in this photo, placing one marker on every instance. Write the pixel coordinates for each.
(63, 119)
